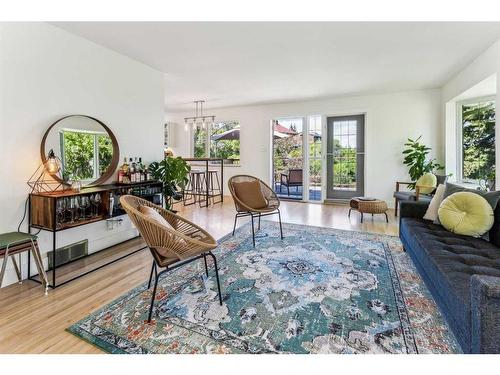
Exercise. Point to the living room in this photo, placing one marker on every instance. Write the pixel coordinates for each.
(183, 186)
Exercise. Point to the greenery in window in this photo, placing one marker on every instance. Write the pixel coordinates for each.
(478, 137)
(79, 158)
(200, 139)
(228, 145)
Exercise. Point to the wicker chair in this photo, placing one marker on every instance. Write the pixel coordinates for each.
(171, 247)
(242, 208)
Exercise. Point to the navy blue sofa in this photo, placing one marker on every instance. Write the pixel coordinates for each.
(462, 274)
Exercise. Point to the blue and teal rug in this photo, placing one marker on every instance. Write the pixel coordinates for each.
(319, 290)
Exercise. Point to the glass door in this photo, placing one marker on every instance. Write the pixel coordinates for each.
(288, 157)
(345, 157)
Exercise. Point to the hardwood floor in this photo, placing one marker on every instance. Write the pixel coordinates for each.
(33, 323)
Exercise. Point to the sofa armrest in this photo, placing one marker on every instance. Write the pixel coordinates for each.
(485, 314)
(413, 209)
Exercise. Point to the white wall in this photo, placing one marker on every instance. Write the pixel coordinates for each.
(390, 120)
(480, 70)
(46, 73)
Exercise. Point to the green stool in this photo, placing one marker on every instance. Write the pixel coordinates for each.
(16, 243)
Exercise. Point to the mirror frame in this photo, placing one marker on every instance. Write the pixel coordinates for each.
(114, 161)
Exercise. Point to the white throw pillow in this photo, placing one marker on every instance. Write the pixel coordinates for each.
(432, 211)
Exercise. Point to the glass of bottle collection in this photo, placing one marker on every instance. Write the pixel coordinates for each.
(133, 171)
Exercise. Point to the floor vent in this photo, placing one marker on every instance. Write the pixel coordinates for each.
(69, 253)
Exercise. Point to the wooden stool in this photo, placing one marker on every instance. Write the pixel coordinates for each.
(16, 243)
(368, 206)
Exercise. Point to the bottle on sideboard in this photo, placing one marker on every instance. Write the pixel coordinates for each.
(123, 172)
(132, 170)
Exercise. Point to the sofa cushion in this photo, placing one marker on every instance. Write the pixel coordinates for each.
(427, 183)
(449, 261)
(466, 213)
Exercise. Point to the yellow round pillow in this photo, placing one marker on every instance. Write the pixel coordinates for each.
(466, 213)
(426, 183)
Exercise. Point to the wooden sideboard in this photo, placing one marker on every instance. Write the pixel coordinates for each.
(62, 210)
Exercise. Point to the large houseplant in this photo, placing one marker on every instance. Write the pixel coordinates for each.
(173, 172)
(416, 157)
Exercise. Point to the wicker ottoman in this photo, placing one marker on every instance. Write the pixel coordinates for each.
(374, 206)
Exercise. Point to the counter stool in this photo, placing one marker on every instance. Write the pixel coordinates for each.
(16, 243)
(212, 182)
(195, 187)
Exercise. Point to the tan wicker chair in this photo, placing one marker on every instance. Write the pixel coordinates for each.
(242, 209)
(171, 247)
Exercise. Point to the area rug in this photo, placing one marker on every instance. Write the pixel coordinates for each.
(319, 290)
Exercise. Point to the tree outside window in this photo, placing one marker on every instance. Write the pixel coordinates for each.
(478, 141)
(224, 141)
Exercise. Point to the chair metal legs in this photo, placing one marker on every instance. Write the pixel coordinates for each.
(167, 269)
(281, 227)
(206, 265)
(235, 218)
(216, 275)
(253, 232)
(257, 215)
(152, 299)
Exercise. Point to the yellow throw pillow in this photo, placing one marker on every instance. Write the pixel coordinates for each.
(426, 183)
(466, 213)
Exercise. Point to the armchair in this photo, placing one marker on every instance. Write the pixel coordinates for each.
(415, 195)
(172, 245)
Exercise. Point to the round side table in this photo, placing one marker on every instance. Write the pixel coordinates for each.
(373, 206)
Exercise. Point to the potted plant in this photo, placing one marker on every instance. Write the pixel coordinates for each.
(173, 172)
(417, 159)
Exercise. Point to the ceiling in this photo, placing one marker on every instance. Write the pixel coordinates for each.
(241, 63)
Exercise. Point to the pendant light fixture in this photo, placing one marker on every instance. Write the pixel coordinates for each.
(199, 117)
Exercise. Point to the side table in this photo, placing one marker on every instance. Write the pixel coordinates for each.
(371, 206)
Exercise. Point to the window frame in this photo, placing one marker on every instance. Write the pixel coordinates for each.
(96, 163)
(460, 143)
(208, 129)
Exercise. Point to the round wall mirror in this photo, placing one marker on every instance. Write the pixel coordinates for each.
(86, 146)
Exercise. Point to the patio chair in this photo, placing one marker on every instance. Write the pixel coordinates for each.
(172, 240)
(253, 197)
(293, 178)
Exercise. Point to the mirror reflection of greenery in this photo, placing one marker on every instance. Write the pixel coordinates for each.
(79, 161)
(478, 136)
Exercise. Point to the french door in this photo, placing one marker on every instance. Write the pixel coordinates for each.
(345, 157)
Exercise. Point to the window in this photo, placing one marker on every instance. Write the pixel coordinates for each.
(85, 155)
(477, 130)
(224, 141)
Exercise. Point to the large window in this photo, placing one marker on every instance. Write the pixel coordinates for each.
(86, 155)
(218, 140)
(477, 129)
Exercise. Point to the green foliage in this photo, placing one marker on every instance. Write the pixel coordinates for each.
(200, 138)
(78, 155)
(416, 158)
(79, 162)
(478, 136)
(173, 172)
(105, 149)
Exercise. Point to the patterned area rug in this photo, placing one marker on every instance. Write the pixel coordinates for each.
(319, 290)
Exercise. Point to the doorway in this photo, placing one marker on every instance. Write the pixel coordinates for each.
(345, 157)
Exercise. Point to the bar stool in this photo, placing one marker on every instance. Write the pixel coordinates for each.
(212, 180)
(16, 243)
(195, 187)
